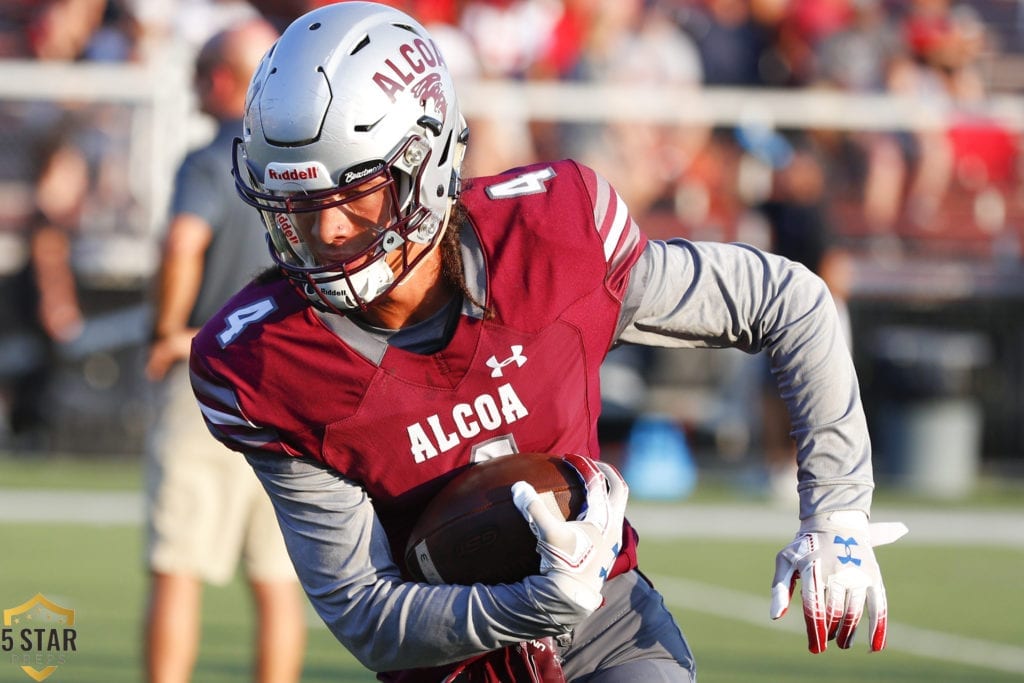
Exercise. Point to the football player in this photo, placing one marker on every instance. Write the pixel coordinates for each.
(418, 322)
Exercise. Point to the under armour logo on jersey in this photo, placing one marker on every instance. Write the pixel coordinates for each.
(496, 365)
(847, 543)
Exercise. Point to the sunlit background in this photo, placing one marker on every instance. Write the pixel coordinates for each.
(876, 141)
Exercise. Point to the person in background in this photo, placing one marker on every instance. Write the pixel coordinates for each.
(205, 508)
(44, 182)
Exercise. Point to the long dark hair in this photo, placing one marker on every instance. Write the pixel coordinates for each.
(451, 256)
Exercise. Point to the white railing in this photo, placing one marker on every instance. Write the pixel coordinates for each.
(796, 109)
(159, 98)
(165, 121)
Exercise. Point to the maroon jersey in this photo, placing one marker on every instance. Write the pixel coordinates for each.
(557, 246)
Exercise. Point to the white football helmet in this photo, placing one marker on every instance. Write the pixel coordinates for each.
(353, 94)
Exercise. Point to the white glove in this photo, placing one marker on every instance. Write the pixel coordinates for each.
(832, 555)
(579, 554)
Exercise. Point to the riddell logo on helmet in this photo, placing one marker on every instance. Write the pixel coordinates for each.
(285, 226)
(309, 175)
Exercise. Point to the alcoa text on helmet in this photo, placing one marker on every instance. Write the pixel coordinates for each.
(353, 98)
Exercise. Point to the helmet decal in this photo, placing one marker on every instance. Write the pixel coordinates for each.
(430, 89)
(307, 175)
(361, 171)
(415, 59)
(284, 224)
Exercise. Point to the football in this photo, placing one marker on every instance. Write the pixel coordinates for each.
(472, 532)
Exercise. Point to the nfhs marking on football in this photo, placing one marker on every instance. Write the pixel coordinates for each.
(436, 435)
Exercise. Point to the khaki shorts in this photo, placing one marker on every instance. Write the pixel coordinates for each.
(205, 508)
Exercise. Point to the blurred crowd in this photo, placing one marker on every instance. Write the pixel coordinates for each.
(819, 196)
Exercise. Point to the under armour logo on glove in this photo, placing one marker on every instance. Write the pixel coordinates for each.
(496, 365)
(836, 587)
(603, 573)
(848, 558)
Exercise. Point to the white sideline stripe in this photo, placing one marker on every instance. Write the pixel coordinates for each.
(1001, 528)
(726, 521)
(112, 508)
(753, 609)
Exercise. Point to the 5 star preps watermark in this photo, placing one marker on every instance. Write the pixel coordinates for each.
(38, 636)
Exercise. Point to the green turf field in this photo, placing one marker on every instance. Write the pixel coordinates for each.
(955, 610)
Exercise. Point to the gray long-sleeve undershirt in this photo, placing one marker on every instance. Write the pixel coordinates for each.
(704, 294)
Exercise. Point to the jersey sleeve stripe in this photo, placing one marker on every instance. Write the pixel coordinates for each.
(234, 430)
(619, 220)
(619, 233)
(621, 237)
(213, 393)
(220, 418)
(629, 245)
(236, 439)
(224, 418)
